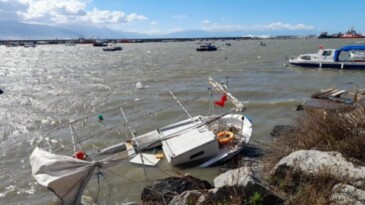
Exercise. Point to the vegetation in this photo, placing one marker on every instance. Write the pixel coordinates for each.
(256, 199)
(324, 131)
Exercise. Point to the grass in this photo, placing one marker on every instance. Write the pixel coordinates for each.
(324, 131)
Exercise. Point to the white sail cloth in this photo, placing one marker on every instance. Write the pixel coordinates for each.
(66, 176)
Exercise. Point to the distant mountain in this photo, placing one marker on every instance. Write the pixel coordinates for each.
(10, 30)
(22, 31)
(203, 34)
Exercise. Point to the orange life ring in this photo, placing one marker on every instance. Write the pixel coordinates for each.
(79, 155)
(225, 137)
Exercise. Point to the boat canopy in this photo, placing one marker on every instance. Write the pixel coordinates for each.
(347, 48)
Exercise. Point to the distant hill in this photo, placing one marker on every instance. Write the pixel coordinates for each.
(10, 30)
(22, 31)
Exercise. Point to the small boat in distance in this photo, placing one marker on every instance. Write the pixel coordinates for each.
(347, 57)
(113, 47)
(261, 43)
(99, 43)
(207, 47)
(30, 45)
(70, 43)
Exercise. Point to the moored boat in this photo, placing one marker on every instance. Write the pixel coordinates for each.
(113, 47)
(207, 47)
(347, 57)
(30, 45)
(99, 43)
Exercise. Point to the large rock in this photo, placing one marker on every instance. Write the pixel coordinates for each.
(162, 191)
(343, 194)
(313, 162)
(237, 177)
(187, 197)
(241, 182)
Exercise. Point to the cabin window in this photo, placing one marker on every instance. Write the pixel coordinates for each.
(308, 58)
(197, 155)
(326, 53)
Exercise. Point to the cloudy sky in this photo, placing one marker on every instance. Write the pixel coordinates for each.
(166, 16)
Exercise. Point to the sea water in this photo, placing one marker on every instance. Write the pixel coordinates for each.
(51, 85)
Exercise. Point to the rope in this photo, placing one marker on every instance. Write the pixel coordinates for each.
(98, 174)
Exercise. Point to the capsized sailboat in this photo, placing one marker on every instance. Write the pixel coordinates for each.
(206, 139)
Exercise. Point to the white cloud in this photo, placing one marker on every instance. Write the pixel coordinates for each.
(154, 23)
(279, 25)
(53, 11)
(110, 17)
(63, 12)
(206, 21)
(207, 25)
(181, 16)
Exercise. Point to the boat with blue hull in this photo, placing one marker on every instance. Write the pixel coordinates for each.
(347, 57)
(207, 47)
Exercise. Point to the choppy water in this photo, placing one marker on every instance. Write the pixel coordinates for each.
(50, 85)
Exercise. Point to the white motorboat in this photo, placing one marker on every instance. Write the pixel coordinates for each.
(113, 47)
(330, 58)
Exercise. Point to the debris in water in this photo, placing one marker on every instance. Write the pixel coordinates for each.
(139, 85)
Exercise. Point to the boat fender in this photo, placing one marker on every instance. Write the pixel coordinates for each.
(225, 137)
(79, 155)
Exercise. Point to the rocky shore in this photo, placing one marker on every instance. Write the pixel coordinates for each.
(308, 163)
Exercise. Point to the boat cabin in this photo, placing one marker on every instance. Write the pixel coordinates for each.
(350, 53)
(322, 55)
(193, 145)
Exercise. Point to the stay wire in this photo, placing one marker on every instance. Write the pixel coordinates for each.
(120, 124)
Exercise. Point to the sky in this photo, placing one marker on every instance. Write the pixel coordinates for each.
(168, 16)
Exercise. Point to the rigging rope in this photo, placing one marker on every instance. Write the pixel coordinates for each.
(112, 127)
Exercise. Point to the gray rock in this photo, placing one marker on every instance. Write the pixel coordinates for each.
(343, 194)
(312, 162)
(187, 197)
(237, 177)
(164, 190)
(240, 182)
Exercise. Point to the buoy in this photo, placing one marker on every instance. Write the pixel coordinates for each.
(225, 137)
(1, 91)
(79, 155)
(100, 117)
(139, 85)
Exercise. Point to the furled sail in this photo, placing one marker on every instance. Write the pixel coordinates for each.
(66, 176)
(219, 88)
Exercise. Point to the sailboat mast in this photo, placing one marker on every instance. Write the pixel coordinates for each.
(177, 100)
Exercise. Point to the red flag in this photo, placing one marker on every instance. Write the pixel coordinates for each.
(222, 101)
